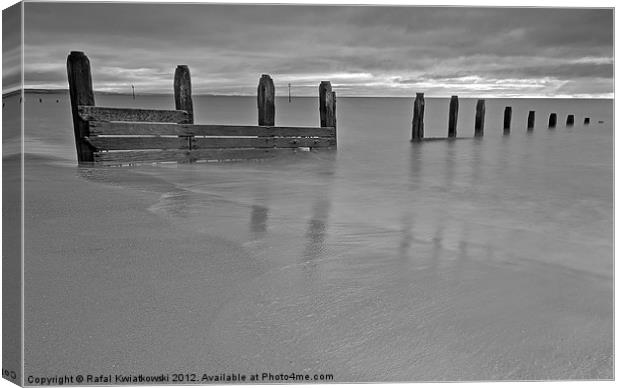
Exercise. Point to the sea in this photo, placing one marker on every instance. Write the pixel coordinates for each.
(384, 260)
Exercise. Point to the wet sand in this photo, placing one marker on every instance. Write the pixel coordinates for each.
(115, 283)
(112, 287)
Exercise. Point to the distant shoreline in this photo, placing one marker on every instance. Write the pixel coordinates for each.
(66, 91)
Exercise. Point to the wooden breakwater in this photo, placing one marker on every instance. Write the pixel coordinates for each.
(453, 116)
(417, 124)
(507, 119)
(113, 136)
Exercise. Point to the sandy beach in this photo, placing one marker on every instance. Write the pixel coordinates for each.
(113, 287)
(114, 283)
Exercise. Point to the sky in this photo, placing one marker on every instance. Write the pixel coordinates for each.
(362, 50)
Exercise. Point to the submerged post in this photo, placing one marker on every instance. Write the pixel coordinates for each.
(586, 121)
(479, 124)
(507, 119)
(530, 120)
(570, 120)
(81, 93)
(453, 116)
(553, 119)
(327, 104)
(183, 92)
(417, 125)
(266, 101)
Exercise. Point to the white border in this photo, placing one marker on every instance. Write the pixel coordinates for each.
(487, 3)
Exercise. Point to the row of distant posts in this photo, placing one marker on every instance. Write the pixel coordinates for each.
(417, 128)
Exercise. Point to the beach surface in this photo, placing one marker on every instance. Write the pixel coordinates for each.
(383, 261)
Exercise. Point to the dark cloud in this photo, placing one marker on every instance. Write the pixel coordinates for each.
(364, 50)
(11, 48)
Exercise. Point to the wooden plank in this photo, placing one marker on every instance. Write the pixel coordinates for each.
(92, 113)
(128, 128)
(444, 138)
(172, 143)
(138, 143)
(183, 93)
(81, 93)
(262, 142)
(179, 156)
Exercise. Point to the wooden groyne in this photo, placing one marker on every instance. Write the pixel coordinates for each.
(531, 119)
(507, 119)
(126, 135)
(453, 116)
(479, 124)
(553, 119)
(82, 95)
(183, 92)
(266, 101)
(327, 105)
(417, 127)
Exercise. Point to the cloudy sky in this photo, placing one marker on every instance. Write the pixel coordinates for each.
(363, 51)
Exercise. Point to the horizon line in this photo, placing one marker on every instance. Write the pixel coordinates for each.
(57, 90)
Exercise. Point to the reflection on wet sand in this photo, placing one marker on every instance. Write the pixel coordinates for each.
(450, 161)
(317, 231)
(258, 220)
(406, 237)
(416, 166)
(259, 209)
(437, 250)
(476, 161)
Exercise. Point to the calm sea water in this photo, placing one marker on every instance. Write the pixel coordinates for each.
(477, 258)
(558, 179)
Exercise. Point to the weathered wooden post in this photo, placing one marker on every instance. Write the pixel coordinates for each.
(586, 121)
(334, 108)
(183, 92)
(479, 124)
(553, 119)
(81, 93)
(507, 119)
(417, 125)
(570, 120)
(266, 101)
(327, 104)
(453, 116)
(531, 117)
